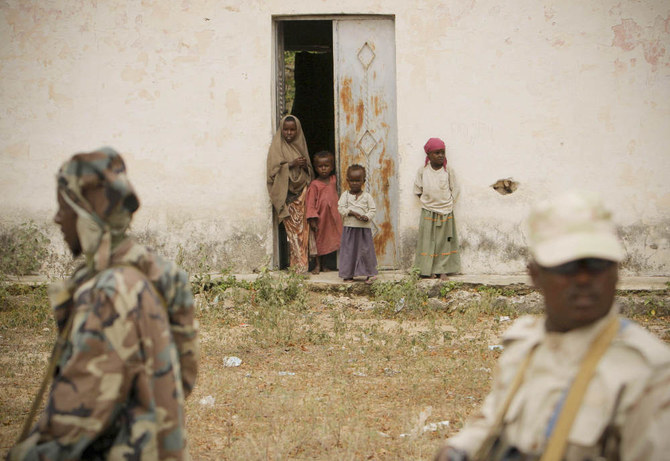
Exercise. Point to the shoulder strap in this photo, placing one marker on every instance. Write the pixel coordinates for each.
(557, 441)
(559, 437)
(496, 428)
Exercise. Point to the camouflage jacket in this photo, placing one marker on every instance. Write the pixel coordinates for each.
(129, 363)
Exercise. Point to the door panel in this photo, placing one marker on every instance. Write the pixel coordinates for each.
(365, 119)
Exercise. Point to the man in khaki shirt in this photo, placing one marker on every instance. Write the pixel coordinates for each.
(536, 410)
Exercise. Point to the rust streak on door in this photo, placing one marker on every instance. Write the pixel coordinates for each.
(347, 100)
(360, 115)
(364, 57)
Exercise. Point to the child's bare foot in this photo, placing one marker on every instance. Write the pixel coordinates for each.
(317, 266)
(371, 279)
(444, 277)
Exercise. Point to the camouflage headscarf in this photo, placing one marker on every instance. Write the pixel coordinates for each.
(103, 217)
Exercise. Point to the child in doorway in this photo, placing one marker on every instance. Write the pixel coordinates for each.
(437, 246)
(357, 251)
(322, 214)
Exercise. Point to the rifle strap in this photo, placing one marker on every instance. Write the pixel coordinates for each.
(56, 354)
(557, 441)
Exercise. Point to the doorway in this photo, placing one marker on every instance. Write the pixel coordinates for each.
(308, 70)
(337, 75)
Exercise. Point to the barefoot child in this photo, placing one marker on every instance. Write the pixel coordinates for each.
(322, 214)
(357, 251)
(437, 245)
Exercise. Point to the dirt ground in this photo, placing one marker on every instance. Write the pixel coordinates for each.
(331, 374)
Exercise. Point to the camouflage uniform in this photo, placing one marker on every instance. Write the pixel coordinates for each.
(131, 355)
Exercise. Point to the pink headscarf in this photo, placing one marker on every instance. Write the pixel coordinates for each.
(434, 144)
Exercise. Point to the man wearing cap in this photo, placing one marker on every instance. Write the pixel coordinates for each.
(126, 356)
(580, 383)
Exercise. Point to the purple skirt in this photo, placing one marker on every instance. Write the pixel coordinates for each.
(357, 253)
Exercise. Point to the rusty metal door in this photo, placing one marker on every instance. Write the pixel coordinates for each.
(365, 118)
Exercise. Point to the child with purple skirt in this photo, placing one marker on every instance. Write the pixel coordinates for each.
(357, 250)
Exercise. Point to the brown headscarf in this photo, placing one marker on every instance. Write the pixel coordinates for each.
(281, 180)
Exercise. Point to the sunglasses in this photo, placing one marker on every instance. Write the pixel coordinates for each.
(591, 265)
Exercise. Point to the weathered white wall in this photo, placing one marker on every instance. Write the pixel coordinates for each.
(553, 94)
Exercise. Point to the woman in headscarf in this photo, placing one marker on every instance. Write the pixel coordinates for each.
(289, 172)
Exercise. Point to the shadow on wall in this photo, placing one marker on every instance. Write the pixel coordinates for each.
(486, 250)
(34, 248)
(242, 252)
(407, 248)
(647, 248)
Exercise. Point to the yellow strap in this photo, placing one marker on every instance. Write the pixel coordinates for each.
(556, 445)
(485, 448)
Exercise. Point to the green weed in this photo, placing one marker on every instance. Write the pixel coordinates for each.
(23, 248)
(404, 296)
(274, 306)
(277, 308)
(653, 306)
(24, 306)
(282, 289)
(448, 287)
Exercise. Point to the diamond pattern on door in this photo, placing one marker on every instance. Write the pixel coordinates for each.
(367, 143)
(366, 55)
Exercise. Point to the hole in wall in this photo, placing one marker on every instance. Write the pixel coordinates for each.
(505, 186)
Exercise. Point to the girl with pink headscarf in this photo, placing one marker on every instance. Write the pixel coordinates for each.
(437, 244)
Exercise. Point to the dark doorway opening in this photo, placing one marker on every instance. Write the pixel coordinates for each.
(306, 91)
(308, 67)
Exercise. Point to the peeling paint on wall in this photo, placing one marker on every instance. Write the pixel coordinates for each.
(628, 35)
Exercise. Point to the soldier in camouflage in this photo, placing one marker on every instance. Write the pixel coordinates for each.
(580, 383)
(130, 352)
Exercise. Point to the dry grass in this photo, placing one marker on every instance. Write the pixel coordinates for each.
(322, 376)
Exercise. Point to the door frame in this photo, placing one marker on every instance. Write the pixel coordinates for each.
(278, 102)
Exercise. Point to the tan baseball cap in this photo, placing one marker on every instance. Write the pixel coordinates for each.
(572, 226)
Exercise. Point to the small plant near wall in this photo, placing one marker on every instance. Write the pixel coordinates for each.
(23, 248)
(404, 296)
(448, 287)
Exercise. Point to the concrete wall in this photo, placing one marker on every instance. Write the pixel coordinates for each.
(555, 95)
